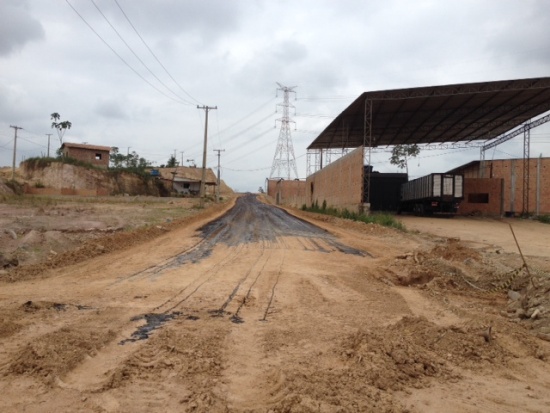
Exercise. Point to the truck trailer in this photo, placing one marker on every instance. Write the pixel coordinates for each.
(437, 193)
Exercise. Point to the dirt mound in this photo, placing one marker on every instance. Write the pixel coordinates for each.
(454, 250)
(531, 304)
(460, 267)
(414, 348)
(184, 353)
(8, 326)
(378, 362)
(55, 353)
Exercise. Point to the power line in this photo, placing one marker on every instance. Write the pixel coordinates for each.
(246, 170)
(240, 133)
(135, 54)
(249, 115)
(153, 54)
(121, 58)
(255, 150)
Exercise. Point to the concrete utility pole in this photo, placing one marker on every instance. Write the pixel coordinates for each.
(15, 128)
(181, 164)
(203, 179)
(48, 135)
(218, 184)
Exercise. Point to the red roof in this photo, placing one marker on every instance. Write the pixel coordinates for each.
(85, 146)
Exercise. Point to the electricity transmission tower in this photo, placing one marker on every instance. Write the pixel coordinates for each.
(284, 161)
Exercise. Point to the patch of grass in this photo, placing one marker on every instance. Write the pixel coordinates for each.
(383, 219)
(545, 219)
(29, 200)
(42, 163)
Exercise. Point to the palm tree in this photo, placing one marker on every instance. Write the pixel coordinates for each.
(61, 127)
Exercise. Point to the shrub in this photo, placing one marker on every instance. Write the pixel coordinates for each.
(545, 219)
(386, 220)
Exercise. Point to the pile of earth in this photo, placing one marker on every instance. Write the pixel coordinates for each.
(452, 266)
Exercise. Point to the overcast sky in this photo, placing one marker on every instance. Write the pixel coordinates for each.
(230, 54)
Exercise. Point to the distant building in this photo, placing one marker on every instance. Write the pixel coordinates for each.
(187, 180)
(93, 154)
(496, 187)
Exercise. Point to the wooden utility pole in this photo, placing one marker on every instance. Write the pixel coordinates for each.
(203, 179)
(48, 135)
(218, 183)
(15, 128)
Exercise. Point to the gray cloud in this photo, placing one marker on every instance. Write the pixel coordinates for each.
(230, 53)
(17, 26)
(111, 109)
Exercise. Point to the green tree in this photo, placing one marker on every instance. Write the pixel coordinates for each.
(60, 126)
(130, 161)
(116, 159)
(400, 155)
(172, 162)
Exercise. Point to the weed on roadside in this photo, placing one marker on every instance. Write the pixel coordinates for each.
(383, 219)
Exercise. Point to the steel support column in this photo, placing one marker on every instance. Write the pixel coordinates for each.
(526, 147)
(367, 142)
(482, 163)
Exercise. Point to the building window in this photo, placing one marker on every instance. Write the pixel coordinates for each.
(478, 198)
(98, 157)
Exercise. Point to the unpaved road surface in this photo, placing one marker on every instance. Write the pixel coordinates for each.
(261, 311)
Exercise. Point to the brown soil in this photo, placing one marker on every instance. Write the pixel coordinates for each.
(261, 312)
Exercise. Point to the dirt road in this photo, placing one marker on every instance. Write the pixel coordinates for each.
(261, 311)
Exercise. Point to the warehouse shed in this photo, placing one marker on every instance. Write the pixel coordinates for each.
(436, 115)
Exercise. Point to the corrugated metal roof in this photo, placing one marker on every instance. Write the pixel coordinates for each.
(437, 114)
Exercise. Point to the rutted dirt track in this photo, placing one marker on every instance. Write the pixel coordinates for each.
(261, 311)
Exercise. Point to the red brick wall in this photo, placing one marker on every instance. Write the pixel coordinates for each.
(340, 183)
(88, 155)
(272, 188)
(284, 192)
(475, 189)
(511, 171)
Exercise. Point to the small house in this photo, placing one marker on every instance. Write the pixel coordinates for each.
(186, 180)
(93, 154)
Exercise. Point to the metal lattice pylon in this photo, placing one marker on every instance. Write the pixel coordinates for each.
(284, 160)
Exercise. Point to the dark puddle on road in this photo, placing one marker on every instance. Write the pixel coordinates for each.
(235, 318)
(218, 313)
(31, 306)
(153, 322)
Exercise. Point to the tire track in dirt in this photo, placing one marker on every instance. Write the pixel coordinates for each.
(221, 310)
(252, 230)
(250, 376)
